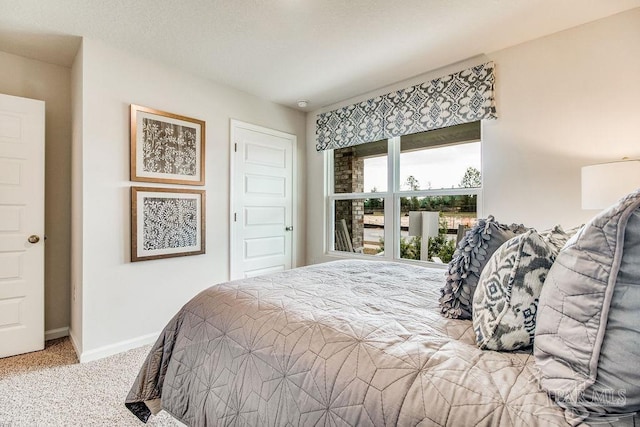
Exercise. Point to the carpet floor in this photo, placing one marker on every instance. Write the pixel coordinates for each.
(50, 388)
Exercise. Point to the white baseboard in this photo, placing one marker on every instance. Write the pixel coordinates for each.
(52, 334)
(111, 349)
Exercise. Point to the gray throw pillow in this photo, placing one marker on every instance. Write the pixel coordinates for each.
(472, 254)
(556, 237)
(587, 333)
(506, 299)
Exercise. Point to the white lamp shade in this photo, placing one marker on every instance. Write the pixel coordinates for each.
(604, 184)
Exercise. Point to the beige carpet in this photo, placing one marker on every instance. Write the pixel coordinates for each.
(50, 388)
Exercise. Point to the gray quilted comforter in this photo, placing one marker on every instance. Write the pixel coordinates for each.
(342, 343)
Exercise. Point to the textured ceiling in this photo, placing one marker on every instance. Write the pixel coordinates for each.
(285, 50)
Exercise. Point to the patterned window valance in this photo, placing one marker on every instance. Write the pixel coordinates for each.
(463, 97)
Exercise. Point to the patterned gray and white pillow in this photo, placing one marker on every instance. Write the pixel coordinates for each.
(557, 237)
(469, 259)
(506, 299)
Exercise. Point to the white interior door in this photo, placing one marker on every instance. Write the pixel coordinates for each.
(262, 196)
(21, 225)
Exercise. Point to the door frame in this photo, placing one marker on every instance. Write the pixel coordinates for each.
(233, 126)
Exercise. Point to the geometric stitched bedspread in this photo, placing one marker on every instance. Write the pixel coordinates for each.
(345, 343)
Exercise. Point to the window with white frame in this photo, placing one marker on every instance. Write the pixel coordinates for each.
(387, 198)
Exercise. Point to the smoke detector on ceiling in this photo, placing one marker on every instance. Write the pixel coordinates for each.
(303, 103)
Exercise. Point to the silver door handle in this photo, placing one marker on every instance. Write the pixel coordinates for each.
(289, 228)
(33, 238)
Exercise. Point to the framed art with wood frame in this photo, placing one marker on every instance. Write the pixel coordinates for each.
(166, 147)
(166, 222)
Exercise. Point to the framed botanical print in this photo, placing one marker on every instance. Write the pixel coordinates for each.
(166, 147)
(166, 222)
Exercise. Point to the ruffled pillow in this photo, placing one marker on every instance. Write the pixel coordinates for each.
(472, 254)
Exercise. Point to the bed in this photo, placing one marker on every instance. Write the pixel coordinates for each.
(341, 343)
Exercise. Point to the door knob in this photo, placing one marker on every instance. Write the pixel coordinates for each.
(33, 239)
(289, 228)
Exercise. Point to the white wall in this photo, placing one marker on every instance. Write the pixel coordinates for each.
(125, 304)
(29, 78)
(564, 101)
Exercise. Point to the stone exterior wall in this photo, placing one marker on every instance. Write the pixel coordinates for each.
(349, 178)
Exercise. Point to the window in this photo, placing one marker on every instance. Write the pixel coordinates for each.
(389, 197)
